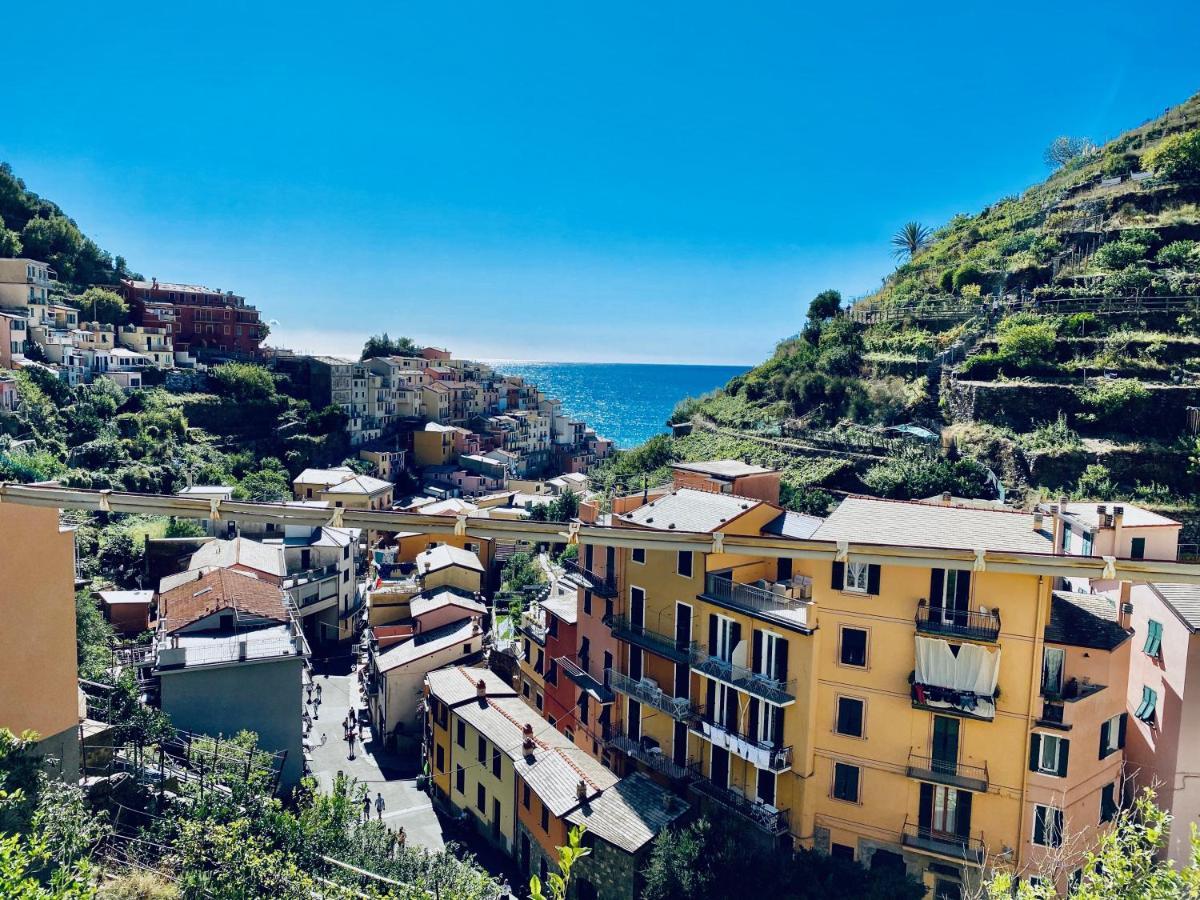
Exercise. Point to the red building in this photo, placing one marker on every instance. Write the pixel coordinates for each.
(197, 318)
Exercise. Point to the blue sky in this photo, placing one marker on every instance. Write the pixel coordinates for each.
(622, 181)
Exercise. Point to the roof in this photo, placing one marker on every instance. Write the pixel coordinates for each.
(1088, 514)
(221, 589)
(360, 484)
(554, 770)
(723, 468)
(451, 506)
(112, 598)
(865, 520)
(175, 286)
(428, 601)
(458, 684)
(444, 556)
(325, 476)
(425, 644)
(565, 608)
(240, 551)
(631, 813)
(1084, 620)
(690, 510)
(1184, 599)
(793, 525)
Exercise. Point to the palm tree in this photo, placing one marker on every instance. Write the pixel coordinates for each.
(910, 240)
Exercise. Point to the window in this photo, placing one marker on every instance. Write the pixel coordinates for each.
(1066, 538)
(545, 818)
(552, 672)
(540, 701)
(1108, 802)
(583, 707)
(854, 647)
(1048, 754)
(845, 782)
(842, 851)
(1052, 671)
(440, 757)
(525, 795)
(496, 762)
(638, 555)
(524, 688)
(481, 749)
(587, 603)
(1137, 548)
(1112, 735)
(460, 779)
(944, 810)
(553, 626)
(1153, 645)
(856, 577)
(467, 649)
(1047, 826)
(684, 564)
(480, 797)
(850, 716)
(1146, 709)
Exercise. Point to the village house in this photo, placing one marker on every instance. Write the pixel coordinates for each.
(196, 318)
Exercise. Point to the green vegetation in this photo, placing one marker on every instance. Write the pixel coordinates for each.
(382, 345)
(910, 240)
(521, 571)
(98, 304)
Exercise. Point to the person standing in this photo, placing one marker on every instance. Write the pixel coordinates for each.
(350, 736)
(366, 807)
(379, 805)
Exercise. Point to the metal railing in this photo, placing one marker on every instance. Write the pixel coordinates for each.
(678, 708)
(308, 575)
(763, 686)
(966, 848)
(663, 645)
(603, 585)
(764, 754)
(949, 772)
(771, 820)
(981, 626)
(753, 599)
(651, 756)
(579, 675)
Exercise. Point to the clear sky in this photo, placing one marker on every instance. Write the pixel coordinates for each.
(661, 181)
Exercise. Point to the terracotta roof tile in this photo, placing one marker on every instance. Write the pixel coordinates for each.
(217, 590)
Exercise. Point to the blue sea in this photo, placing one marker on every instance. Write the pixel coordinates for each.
(626, 402)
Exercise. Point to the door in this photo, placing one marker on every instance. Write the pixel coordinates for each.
(683, 626)
(610, 563)
(525, 853)
(588, 552)
(945, 744)
(679, 744)
(945, 813)
(637, 608)
(495, 818)
(633, 720)
(719, 767)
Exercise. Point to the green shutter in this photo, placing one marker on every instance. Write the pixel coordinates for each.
(1153, 638)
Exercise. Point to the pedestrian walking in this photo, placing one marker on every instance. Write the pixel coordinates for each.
(401, 837)
(350, 738)
(366, 808)
(318, 693)
(308, 687)
(379, 805)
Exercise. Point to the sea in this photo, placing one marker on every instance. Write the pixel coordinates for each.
(628, 403)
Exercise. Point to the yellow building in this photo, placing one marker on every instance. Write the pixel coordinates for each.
(37, 651)
(437, 444)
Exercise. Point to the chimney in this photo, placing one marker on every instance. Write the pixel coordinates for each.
(1037, 520)
(1118, 517)
(946, 495)
(527, 738)
(1125, 605)
(481, 689)
(581, 790)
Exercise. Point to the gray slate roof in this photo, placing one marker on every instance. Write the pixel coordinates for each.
(427, 643)
(1084, 620)
(690, 510)
(428, 601)
(631, 813)
(865, 520)
(456, 684)
(722, 468)
(1184, 599)
(793, 525)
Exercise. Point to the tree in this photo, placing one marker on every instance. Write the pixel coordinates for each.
(98, 304)
(564, 507)
(270, 484)
(244, 382)
(910, 240)
(824, 306)
(1177, 157)
(10, 241)
(382, 345)
(1064, 149)
(521, 571)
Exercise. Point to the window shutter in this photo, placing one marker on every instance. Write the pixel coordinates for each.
(731, 709)
(735, 636)
(756, 665)
(839, 575)
(873, 579)
(963, 815)
(753, 718)
(777, 730)
(1104, 739)
(1035, 749)
(1058, 827)
(781, 660)
(712, 634)
(1064, 750)
(925, 811)
(962, 589)
(937, 584)
(1121, 730)
(1039, 826)
(710, 698)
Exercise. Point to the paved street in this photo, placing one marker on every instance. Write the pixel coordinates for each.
(381, 771)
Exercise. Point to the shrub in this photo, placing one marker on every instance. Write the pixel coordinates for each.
(1080, 323)
(1027, 344)
(1119, 164)
(1178, 254)
(1117, 255)
(913, 474)
(1135, 279)
(982, 367)
(1096, 483)
(1116, 402)
(1176, 157)
(1056, 435)
(967, 273)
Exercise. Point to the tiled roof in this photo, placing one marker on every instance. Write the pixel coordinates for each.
(1184, 599)
(722, 468)
(565, 607)
(554, 773)
(1133, 515)
(690, 510)
(218, 554)
(631, 813)
(427, 643)
(441, 557)
(428, 601)
(360, 484)
(793, 525)
(867, 520)
(324, 476)
(1084, 620)
(217, 590)
(457, 684)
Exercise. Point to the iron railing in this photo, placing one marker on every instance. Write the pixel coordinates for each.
(643, 637)
(928, 840)
(980, 626)
(763, 686)
(651, 756)
(951, 772)
(678, 708)
(771, 820)
(764, 754)
(722, 589)
(601, 585)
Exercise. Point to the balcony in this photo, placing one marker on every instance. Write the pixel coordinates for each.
(781, 693)
(600, 585)
(775, 603)
(640, 636)
(1059, 705)
(969, 624)
(763, 754)
(583, 680)
(762, 815)
(937, 843)
(678, 708)
(954, 774)
(534, 630)
(651, 756)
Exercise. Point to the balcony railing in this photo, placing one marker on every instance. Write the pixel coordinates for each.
(533, 629)
(955, 774)
(927, 840)
(651, 756)
(771, 820)
(760, 601)
(763, 754)
(601, 585)
(756, 683)
(678, 708)
(963, 623)
(640, 636)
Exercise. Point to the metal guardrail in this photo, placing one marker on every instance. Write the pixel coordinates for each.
(762, 686)
(968, 849)
(772, 821)
(652, 757)
(957, 774)
(602, 585)
(968, 623)
(623, 629)
(678, 708)
(753, 599)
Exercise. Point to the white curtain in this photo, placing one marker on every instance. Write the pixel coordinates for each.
(935, 663)
(975, 669)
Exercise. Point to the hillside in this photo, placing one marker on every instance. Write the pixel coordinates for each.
(1053, 338)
